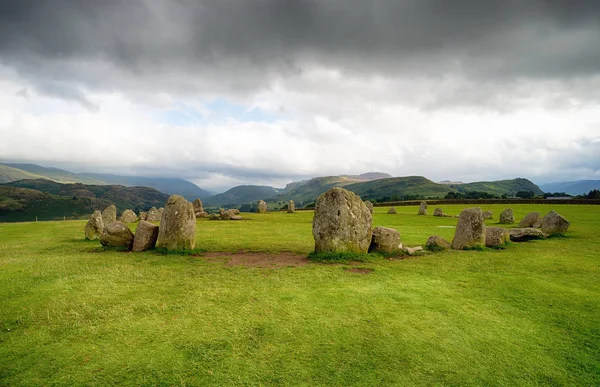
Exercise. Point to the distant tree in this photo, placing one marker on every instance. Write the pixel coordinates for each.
(525, 194)
(593, 194)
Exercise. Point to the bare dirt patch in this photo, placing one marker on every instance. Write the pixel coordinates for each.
(264, 260)
(360, 270)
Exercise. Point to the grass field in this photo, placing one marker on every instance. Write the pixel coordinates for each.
(72, 313)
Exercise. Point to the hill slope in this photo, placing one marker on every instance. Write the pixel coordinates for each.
(242, 194)
(58, 175)
(578, 187)
(500, 187)
(8, 174)
(398, 187)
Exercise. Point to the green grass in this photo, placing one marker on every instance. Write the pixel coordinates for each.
(72, 313)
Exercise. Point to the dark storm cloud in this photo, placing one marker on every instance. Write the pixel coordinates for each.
(188, 46)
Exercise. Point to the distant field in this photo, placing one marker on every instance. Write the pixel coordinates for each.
(72, 313)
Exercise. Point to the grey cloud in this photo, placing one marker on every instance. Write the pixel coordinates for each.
(68, 93)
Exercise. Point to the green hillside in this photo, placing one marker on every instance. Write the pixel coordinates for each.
(26, 199)
(500, 187)
(307, 191)
(242, 194)
(59, 175)
(8, 174)
(398, 188)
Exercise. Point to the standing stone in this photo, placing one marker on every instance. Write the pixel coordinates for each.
(385, 239)
(436, 243)
(554, 224)
(423, 208)
(214, 216)
(487, 214)
(198, 205)
(470, 230)
(530, 219)
(525, 234)
(117, 234)
(145, 236)
(152, 215)
(342, 223)
(109, 214)
(202, 214)
(143, 215)
(291, 207)
(94, 226)
(507, 217)
(392, 210)
(128, 216)
(225, 214)
(369, 206)
(178, 225)
(160, 212)
(438, 212)
(262, 207)
(234, 211)
(496, 236)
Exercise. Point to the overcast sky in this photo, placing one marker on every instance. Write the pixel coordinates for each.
(229, 92)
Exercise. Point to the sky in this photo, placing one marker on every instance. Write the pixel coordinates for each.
(230, 92)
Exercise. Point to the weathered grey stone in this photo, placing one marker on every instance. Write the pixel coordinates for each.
(392, 210)
(109, 214)
(128, 216)
(234, 211)
(198, 205)
(496, 236)
(525, 234)
(94, 226)
(143, 215)
(160, 213)
(412, 250)
(145, 237)
(201, 214)
(342, 223)
(423, 208)
(291, 207)
(538, 224)
(225, 214)
(261, 207)
(153, 215)
(554, 224)
(214, 217)
(236, 217)
(487, 214)
(117, 234)
(369, 206)
(437, 243)
(470, 230)
(507, 217)
(438, 212)
(178, 225)
(385, 240)
(530, 219)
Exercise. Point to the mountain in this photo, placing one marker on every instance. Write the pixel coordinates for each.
(578, 187)
(171, 186)
(18, 171)
(46, 199)
(242, 194)
(499, 187)
(398, 188)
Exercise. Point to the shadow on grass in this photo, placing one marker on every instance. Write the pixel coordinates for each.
(354, 257)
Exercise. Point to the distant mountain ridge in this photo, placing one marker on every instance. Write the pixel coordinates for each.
(578, 187)
(242, 194)
(17, 171)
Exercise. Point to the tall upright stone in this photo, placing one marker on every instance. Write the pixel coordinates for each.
(423, 208)
(291, 207)
(145, 237)
(507, 217)
(342, 223)
(470, 230)
(152, 215)
(128, 216)
(262, 207)
(94, 226)
(177, 225)
(369, 206)
(198, 205)
(554, 224)
(109, 214)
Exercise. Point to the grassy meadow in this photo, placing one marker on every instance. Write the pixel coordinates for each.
(74, 313)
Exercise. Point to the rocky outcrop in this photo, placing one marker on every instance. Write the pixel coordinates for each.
(117, 234)
(178, 225)
(496, 237)
(385, 240)
(554, 224)
(470, 230)
(145, 237)
(342, 223)
(94, 226)
(507, 217)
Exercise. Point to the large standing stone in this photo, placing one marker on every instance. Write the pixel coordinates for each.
(392, 210)
(291, 207)
(178, 225)
(507, 217)
(369, 206)
(437, 243)
(109, 214)
(554, 224)
(117, 234)
(525, 234)
(470, 230)
(385, 239)
(342, 223)
(423, 208)
(438, 212)
(198, 205)
(530, 219)
(487, 214)
(94, 226)
(160, 212)
(145, 236)
(496, 236)
(262, 207)
(128, 216)
(153, 215)
(143, 215)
